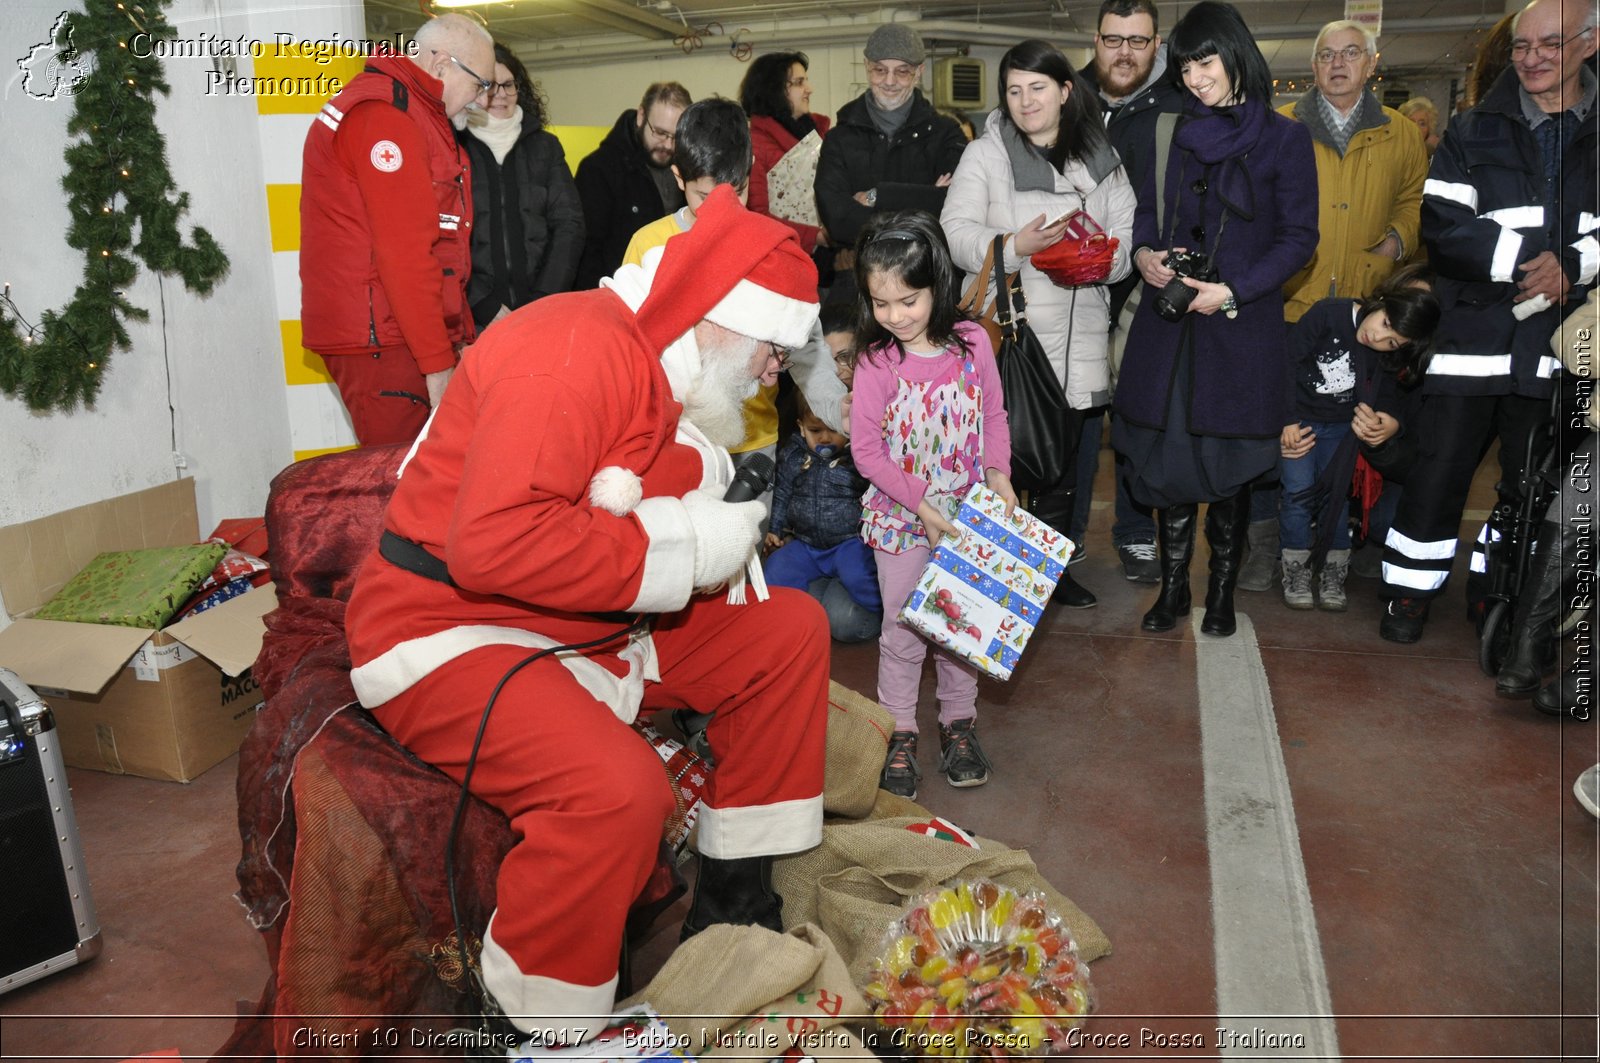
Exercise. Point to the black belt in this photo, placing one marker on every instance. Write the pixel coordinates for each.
(415, 558)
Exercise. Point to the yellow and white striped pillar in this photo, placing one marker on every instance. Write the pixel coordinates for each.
(299, 63)
(317, 419)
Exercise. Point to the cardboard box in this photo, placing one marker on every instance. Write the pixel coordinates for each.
(982, 596)
(163, 704)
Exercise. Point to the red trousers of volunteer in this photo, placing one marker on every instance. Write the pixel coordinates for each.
(385, 394)
(587, 797)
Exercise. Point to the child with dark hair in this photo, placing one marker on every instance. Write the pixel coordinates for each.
(1349, 360)
(927, 422)
(711, 147)
(815, 525)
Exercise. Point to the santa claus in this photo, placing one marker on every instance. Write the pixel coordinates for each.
(570, 482)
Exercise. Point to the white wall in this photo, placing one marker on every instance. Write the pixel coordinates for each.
(215, 360)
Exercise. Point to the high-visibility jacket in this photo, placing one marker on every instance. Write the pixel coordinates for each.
(1483, 215)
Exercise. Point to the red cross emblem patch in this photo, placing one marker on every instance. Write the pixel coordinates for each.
(386, 156)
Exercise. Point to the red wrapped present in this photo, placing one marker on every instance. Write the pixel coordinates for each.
(246, 534)
(688, 774)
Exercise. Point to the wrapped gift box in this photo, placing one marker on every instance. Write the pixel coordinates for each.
(981, 596)
(688, 774)
(133, 588)
(162, 702)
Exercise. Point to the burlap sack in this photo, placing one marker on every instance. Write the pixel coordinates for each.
(743, 991)
(858, 741)
(857, 881)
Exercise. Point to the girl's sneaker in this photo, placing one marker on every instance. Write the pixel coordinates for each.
(1330, 587)
(960, 757)
(900, 772)
(1297, 579)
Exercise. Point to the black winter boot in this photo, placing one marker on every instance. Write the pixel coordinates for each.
(1054, 507)
(1227, 530)
(1175, 538)
(1571, 693)
(735, 891)
(1533, 624)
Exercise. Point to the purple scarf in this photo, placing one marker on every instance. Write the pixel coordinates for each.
(1220, 139)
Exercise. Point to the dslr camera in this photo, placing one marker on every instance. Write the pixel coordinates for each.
(1172, 301)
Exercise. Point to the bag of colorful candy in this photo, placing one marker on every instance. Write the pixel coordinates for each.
(977, 970)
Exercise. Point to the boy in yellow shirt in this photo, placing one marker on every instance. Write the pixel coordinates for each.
(712, 147)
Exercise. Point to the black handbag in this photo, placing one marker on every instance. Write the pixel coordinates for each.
(1036, 405)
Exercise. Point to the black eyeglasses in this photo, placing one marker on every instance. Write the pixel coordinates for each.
(1117, 40)
(504, 88)
(485, 86)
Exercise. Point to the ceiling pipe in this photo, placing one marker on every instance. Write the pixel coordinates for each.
(549, 54)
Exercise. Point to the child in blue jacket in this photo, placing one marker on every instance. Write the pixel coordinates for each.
(815, 521)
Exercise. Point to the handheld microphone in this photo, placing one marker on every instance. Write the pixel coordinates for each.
(752, 478)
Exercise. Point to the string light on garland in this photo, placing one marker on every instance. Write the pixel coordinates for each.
(124, 209)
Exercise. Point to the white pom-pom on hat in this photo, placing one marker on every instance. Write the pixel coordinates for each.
(616, 490)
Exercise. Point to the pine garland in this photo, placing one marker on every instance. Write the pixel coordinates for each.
(118, 187)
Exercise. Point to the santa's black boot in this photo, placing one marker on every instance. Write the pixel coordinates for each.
(734, 891)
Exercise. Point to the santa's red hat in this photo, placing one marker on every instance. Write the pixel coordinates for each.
(741, 270)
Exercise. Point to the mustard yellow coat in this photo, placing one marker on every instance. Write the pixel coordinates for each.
(1375, 187)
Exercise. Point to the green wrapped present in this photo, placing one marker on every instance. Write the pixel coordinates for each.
(134, 588)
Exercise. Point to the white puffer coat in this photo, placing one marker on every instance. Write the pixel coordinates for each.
(983, 201)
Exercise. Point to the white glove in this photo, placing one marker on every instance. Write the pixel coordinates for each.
(725, 535)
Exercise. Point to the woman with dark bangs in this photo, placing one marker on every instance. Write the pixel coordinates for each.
(776, 94)
(1200, 400)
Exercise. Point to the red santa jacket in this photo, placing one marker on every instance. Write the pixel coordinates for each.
(500, 488)
(385, 217)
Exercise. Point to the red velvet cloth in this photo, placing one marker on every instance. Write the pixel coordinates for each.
(324, 516)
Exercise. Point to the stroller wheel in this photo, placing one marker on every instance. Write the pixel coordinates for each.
(1494, 638)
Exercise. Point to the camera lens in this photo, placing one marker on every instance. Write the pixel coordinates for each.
(1172, 301)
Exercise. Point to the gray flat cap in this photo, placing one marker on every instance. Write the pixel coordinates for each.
(894, 40)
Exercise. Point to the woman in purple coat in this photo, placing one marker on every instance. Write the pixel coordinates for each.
(1200, 398)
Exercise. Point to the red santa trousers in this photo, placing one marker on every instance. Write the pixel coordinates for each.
(588, 799)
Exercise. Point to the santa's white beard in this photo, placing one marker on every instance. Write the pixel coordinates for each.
(715, 402)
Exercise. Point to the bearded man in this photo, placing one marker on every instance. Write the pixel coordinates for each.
(571, 482)
(1129, 73)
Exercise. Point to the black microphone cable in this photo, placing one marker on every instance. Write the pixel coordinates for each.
(466, 779)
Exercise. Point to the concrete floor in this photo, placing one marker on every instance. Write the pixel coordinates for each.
(1416, 869)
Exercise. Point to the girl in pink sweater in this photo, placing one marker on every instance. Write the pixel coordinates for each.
(927, 422)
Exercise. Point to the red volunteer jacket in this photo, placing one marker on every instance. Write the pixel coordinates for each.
(385, 218)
